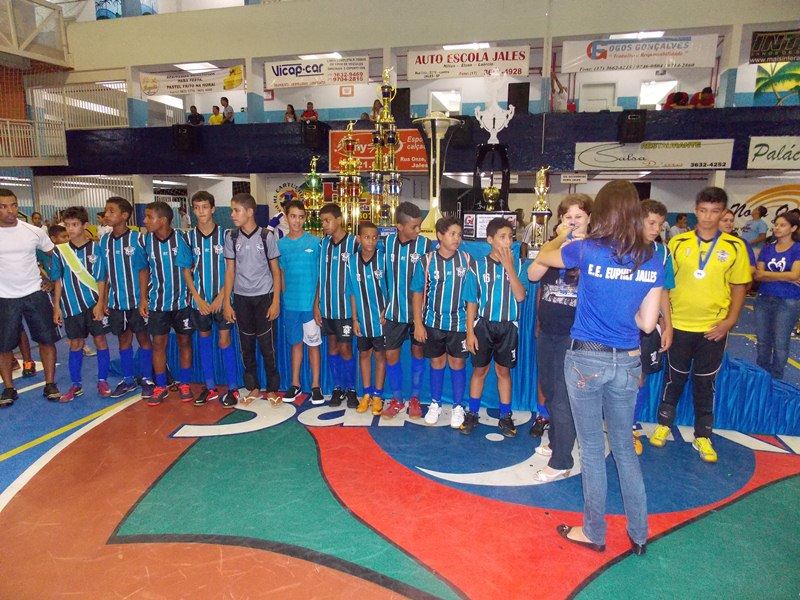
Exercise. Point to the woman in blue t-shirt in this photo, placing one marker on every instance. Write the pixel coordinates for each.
(778, 302)
(619, 292)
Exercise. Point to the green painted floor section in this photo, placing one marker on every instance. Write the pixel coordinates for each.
(739, 551)
(267, 485)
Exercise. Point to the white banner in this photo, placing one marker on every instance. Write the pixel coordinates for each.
(437, 64)
(774, 152)
(654, 156)
(325, 71)
(624, 55)
(182, 82)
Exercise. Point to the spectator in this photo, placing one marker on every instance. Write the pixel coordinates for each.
(676, 100)
(559, 94)
(194, 117)
(376, 111)
(309, 114)
(702, 99)
(726, 225)
(227, 111)
(102, 228)
(754, 232)
(289, 116)
(36, 220)
(681, 225)
(185, 219)
(215, 118)
(364, 117)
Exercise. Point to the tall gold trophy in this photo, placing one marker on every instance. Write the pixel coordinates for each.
(540, 214)
(349, 187)
(312, 198)
(384, 180)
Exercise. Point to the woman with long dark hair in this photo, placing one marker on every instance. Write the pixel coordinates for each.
(619, 291)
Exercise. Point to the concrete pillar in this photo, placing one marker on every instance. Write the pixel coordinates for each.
(717, 179)
(547, 59)
(254, 71)
(142, 196)
(258, 189)
(137, 108)
(729, 67)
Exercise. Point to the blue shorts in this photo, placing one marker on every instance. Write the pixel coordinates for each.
(300, 326)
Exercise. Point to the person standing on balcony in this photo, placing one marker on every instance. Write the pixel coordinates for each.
(194, 117)
(227, 111)
(215, 118)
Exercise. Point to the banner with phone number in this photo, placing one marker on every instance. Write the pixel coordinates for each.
(324, 71)
(437, 64)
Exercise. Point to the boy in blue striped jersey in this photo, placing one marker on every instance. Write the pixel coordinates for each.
(404, 250)
(206, 282)
(366, 287)
(438, 286)
(164, 299)
(74, 270)
(333, 312)
(121, 258)
(493, 293)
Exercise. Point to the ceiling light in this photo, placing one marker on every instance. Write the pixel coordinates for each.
(206, 176)
(640, 35)
(319, 56)
(472, 46)
(195, 68)
(163, 182)
(9, 184)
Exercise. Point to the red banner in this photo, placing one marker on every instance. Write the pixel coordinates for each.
(411, 153)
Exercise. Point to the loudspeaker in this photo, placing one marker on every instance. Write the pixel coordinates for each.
(519, 94)
(642, 188)
(315, 135)
(185, 137)
(632, 125)
(401, 105)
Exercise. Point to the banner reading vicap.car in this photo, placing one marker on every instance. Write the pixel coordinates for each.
(324, 71)
(437, 64)
(622, 55)
(182, 82)
(411, 153)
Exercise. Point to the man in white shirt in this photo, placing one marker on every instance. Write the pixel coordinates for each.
(21, 297)
(681, 225)
(227, 111)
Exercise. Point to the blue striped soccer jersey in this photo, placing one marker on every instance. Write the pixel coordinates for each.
(121, 259)
(442, 282)
(76, 296)
(208, 268)
(490, 288)
(167, 290)
(401, 258)
(366, 282)
(333, 258)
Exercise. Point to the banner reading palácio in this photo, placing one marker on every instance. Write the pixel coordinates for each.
(438, 64)
(325, 71)
(654, 156)
(182, 82)
(775, 46)
(411, 153)
(624, 55)
(774, 152)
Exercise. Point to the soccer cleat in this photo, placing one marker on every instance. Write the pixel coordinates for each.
(470, 422)
(659, 437)
(8, 397)
(291, 394)
(230, 399)
(457, 417)
(414, 408)
(337, 397)
(28, 369)
(185, 392)
(73, 392)
(432, 416)
(103, 388)
(51, 392)
(123, 387)
(507, 427)
(316, 396)
(638, 447)
(377, 405)
(539, 426)
(147, 389)
(159, 395)
(352, 398)
(363, 404)
(392, 409)
(706, 450)
(206, 395)
(89, 351)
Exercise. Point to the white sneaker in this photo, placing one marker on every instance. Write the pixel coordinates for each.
(432, 416)
(544, 450)
(457, 417)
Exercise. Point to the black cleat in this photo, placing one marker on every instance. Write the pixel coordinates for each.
(470, 422)
(337, 397)
(507, 427)
(540, 425)
(51, 392)
(352, 399)
(316, 396)
(291, 394)
(230, 399)
(9, 397)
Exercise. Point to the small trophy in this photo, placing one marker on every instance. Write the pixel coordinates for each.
(540, 214)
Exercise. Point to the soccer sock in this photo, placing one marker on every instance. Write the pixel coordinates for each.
(377, 392)
(458, 379)
(186, 375)
(161, 379)
(103, 364)
(348, 375)
(437, 381)
(231, 370)
(474, 404)
(146, 362)
(126, 361)
(369, 390)
(505, 410)
(333, 369)
(417, 370)
(75, 365)
(206, 346)
(394, 373)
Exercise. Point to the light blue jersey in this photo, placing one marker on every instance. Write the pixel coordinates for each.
(490, 288)
(299, 262)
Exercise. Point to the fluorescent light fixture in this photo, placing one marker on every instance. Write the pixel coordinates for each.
(471, 46)
(195, 68)
(639, 35)
(10, 178)
(784, 175)
(8, 184)
(164, 182)
(319, 56)
(206, 176)
(621, 174)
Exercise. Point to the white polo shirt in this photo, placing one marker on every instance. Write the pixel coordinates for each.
(19, 273)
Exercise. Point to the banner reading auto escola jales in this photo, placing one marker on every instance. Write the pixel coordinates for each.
(324, 71)
(625, 55)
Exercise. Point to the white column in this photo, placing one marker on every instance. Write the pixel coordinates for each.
(142, 190)
(547, 59)
(254, 72)
(258, 188)
(717, 179)
(729, 66)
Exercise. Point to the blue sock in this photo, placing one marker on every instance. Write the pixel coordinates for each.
(206, 347)
(348, 375)
(161, 379)
(186, 375)
(231, 370)
(417, 370)
(126, 360)
(333, 370)
(377, 392)
(505, 410)
(369, 390)
(458, 379)
(146, 362)
(394, 373)
(75, 365)
(103, 364)
(474, 404)
(437, 382)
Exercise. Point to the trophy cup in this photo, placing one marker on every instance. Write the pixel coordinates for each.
(349, 187)
(540, 214)
(491, 202)
(312, 198)
(385, 184)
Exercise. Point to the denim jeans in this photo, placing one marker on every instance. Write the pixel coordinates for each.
(605, 384)
(550, 352)
(775, 319)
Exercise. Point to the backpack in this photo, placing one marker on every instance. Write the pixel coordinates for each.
(264, 233)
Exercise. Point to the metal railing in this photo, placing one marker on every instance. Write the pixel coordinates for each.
(32, 139)
(81, 105)
(33, 29)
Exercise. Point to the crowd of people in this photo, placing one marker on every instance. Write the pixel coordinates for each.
(223, 116)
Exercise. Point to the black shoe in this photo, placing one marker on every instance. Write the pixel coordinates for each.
(337, 397)
(147, 388)
(230, 399)
(51, 392)
(470, 422)
(638, 549)
(540, 425)
(291, 394)
(352, 399)
(28, 369)
(204, 396)
(123, 387)
(563, 531)
(507, 427)
(9, 397)
(316, 396)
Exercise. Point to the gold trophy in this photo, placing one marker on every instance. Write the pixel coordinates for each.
(349, 188)
(540, 214)
(385, 184)
(312, 198)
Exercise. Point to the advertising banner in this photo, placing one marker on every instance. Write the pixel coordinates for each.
(624, 55)
(411, 152)
(438, 64)
(182, 82)
(775, 46)
(774, 152)
(324, 71)
(654, 156)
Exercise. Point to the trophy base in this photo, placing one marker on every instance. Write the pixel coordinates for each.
(474, 223)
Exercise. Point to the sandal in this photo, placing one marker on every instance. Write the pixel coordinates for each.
(274, 400)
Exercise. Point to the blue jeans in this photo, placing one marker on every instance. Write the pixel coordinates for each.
(605, 384)
(775, 319)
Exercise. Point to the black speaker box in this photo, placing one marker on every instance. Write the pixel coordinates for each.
(185, 137)
(632, 125)
(401, 105)
(519, 94)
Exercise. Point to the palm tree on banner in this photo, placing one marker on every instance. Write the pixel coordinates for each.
(777, 78)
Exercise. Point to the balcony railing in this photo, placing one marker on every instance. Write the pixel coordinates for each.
(31, 143)
(33, 29)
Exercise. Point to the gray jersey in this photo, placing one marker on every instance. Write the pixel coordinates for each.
(253, 275)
